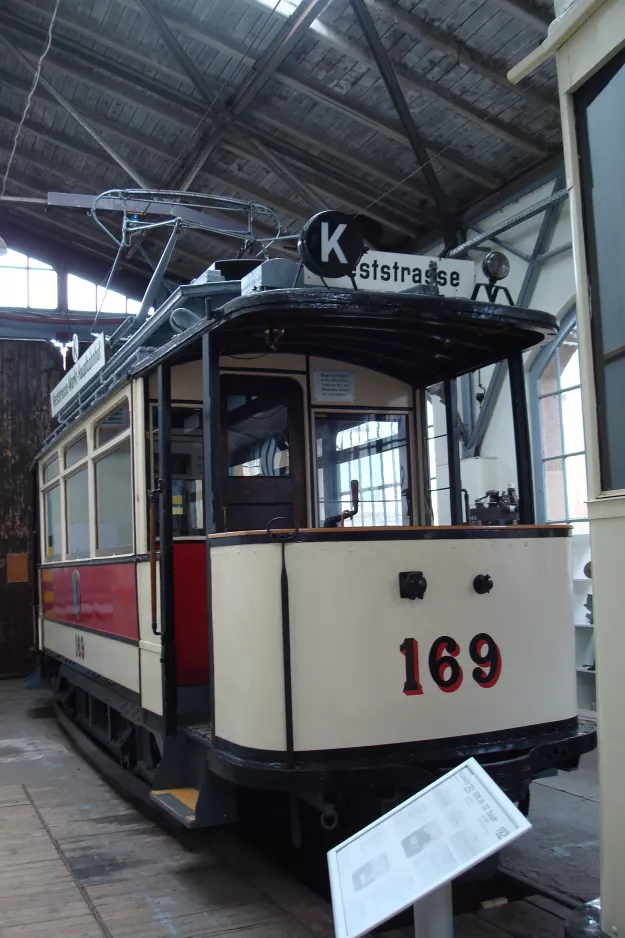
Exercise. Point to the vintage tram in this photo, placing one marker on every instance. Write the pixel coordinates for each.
(240, 583)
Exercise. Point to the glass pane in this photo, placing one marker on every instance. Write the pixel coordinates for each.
(80, 294)
(569, 360)
(370, 448)
(550, 426)
(109, 301)
(187, 469)
(42, 289)
(76, 452)
(576, 490)
(113, 424)
(572, 421)
(38, 265)
(13, 259)
(77, 505)
(51, 469)
(14, 287)
(113, 487)
(52, 501)
(554, 481)
(600, 105)
(258, 436)
(549, 377)
(133, 307)
(615, 397)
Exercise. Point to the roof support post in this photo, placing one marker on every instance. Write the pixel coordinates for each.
(170, 704)
(86, 126)
(453, 450)
(551, 207)
(523, 448)
(486, 410)
(545, 234)
(399, 102)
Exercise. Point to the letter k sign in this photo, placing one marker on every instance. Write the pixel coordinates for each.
(331, 243)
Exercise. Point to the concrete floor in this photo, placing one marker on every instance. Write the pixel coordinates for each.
(98, 867)
(78, 861)
(561, 852)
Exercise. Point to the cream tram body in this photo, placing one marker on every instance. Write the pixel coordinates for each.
(356, 678)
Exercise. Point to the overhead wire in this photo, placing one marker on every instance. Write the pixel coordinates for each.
(29, 99)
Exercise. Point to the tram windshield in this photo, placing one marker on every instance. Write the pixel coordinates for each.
(371, 448)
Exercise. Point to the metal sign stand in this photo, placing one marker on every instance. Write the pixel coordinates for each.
(433, 915)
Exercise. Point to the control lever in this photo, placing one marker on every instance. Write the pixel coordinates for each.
(337, 520)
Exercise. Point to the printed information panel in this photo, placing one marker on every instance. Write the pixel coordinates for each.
(427, 841)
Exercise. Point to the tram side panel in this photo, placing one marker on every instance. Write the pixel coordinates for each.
(369, 668)
(90, 618)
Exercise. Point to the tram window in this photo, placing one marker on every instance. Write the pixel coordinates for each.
(51, 469)
(258, 436)
(76, 452)
(52, 501)
(187, 465)
(113, 493)
(77, 505)
(113, 424)
(371, 448)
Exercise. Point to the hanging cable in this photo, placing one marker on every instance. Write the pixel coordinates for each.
(46, 49)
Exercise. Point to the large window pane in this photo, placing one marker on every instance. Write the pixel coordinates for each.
(258, 436)
(550, 426)
(549, 377)
(113, 485)
(572, 421)
(13, 259)
(569, 362)
(113, 424)
(554, 481)
(13, 287)
(38, 265)
(42, 289)
(187, 469)
(80, 294)
(372, 449)
(76, 452)
(51, 469)
(576, 491)
(77, 505)
(109, 301)
(52, 501)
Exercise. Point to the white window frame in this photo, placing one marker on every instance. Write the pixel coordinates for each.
(87, 427)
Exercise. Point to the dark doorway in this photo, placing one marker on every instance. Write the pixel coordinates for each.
(263, 452)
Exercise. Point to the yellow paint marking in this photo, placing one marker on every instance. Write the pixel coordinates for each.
(187, 796)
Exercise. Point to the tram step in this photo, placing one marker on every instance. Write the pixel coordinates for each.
(179, 802)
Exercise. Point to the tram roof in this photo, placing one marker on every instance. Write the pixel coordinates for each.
(418, 339)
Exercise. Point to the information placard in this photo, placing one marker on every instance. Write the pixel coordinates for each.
(330, 385)
(439, 833)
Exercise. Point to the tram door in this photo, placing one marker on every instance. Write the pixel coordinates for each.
(263, 452)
